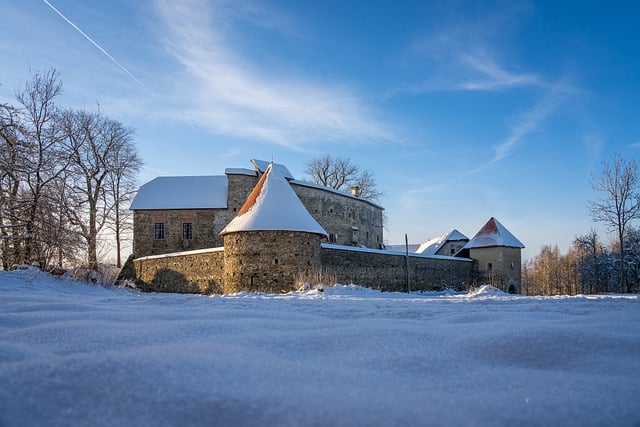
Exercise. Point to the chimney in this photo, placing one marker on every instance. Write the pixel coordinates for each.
(355, 190)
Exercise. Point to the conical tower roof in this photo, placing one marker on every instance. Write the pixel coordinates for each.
(494, 234)
(273, 205)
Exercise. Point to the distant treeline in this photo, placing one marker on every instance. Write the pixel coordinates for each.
(591, 266)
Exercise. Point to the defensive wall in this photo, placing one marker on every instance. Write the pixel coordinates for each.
(204, 271)
(387, 271)
(191, 272)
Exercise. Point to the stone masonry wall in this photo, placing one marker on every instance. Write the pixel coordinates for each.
(205, 234)
(339, 213)
(499, 266)
(268, 261)
(199, 272)
(207, 223)
(386, 270)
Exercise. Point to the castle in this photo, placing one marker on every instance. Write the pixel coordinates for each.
(262, 230)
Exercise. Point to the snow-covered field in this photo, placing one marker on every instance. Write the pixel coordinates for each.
(75, 354)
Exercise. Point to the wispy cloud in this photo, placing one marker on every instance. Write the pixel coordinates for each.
(229, 94)
(491, 76)
(468, 50)
(524, 125)
(527, 123)
(455, 66)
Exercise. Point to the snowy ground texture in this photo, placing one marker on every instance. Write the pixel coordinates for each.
(74, 354)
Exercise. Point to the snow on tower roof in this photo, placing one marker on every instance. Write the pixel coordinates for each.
(273, 205)
(430, 247)
(493, 234)
(182, 192)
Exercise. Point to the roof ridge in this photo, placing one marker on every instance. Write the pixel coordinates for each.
(253, 196)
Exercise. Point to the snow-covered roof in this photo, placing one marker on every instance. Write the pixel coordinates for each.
(240, 171)
(206, 192)
(262, 165)
(273, 205)
(401, 247)
(430, 247)
(182, 192)
(494, 234)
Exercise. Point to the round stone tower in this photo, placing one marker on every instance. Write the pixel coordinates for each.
(272, 241)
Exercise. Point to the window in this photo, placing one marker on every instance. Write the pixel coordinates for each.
(187, 231)
(158, 230)
(490, 266)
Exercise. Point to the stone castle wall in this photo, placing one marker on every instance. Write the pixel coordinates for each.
(386, 271)
(337, 213)
(276, 261)
(353, 221)
(268, 261)
(194, 272)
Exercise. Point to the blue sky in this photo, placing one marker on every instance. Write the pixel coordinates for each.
(463, 110)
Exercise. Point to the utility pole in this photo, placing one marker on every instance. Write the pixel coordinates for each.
(406, 259)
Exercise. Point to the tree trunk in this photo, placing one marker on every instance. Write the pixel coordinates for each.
(117, 231)
(622, 269)
(92, 240)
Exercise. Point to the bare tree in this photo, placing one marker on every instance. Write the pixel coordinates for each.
(620, 203)
(11, 154)
(367, 187)
(546, 270)
(121, 186)
(62, 176)
(45, 156)
(588, 247)
(98, 143)
(341, 174)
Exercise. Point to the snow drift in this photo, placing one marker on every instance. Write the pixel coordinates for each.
(75, 354)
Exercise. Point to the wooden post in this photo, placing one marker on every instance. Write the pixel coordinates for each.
(406, 259)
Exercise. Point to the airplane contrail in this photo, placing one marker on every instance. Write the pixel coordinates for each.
(122, 67)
